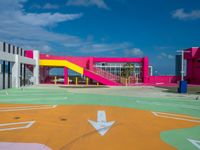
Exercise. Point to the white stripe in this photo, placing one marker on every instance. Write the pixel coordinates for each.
(27, 108)
(195, 143)
(177, 115)
(29, 124)
(170, 104)
(177, 118)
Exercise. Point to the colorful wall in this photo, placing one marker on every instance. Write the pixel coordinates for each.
(84, 66)
(192, 56)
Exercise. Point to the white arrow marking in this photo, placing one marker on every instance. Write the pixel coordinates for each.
(102, 126)
(195, 143)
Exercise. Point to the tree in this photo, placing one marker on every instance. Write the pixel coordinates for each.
(127, 70)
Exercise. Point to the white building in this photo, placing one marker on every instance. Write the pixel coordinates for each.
(15, 67)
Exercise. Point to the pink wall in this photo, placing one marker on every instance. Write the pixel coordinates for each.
(193, 65)
(145, 70)
(117, 60)
(88, 62)
(163, 79)
(29, 53)
(81, 61)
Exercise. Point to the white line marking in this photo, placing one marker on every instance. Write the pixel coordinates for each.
(195, 143)
(169, 105)
(22, 146)
(177, 117)
(102, 126)
(4, 109)
(29, 124)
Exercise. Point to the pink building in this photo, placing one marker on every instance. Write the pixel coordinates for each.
(192, 56)
(94, 69)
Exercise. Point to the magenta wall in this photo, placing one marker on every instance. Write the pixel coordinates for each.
(29, 53)
(193, 65)
(163, 79)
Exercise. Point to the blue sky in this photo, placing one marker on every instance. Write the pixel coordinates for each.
(112, 28)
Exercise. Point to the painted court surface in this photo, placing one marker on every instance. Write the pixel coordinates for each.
(43, 118)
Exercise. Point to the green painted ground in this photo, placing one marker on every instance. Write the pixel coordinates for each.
(62, 96)
(179, 138)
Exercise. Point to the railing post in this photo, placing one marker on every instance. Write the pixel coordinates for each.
(55, 80)
(86, 81)
(76, 80)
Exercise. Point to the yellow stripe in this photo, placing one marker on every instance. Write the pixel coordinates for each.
(61, 63)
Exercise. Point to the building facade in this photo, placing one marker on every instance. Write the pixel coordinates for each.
(15, 67)
(192, 57)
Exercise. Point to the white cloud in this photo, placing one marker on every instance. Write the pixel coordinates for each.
(30, 31)
(86, 3)
(165, 56)
(45, 6)
(134, 52)
(50, 6)
(182, 15)
(45, 19)
(102, 47)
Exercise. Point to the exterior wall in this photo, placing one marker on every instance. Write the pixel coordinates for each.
(12, 73)
(193, 65)
(163, 79)
(87, 63)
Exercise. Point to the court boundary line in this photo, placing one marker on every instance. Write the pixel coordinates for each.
(29, 124)
(6, 109)
(176, 116)
(168, 104)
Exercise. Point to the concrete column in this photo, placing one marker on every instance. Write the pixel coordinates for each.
(36, 55)
(16, 73)
(65, 75)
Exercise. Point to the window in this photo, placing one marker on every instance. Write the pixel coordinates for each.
(8, 48)
(4, 46)
(21, 51)
(13, 49)
(17, 50)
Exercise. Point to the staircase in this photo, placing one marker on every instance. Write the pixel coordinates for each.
(99, 78)
(96, 74)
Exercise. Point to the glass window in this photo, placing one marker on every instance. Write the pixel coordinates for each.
(17, 50)
(4, 46)
(9, 48)
(21, 51)
(1, 66)
(13, 49)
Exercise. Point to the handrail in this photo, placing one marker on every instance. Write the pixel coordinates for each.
(131, 80)
(106, 74)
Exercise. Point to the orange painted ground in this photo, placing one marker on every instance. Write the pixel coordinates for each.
(67, 127)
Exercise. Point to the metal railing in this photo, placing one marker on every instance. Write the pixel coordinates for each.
(124, 81)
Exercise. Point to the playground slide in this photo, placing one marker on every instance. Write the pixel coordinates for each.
(78, 69)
